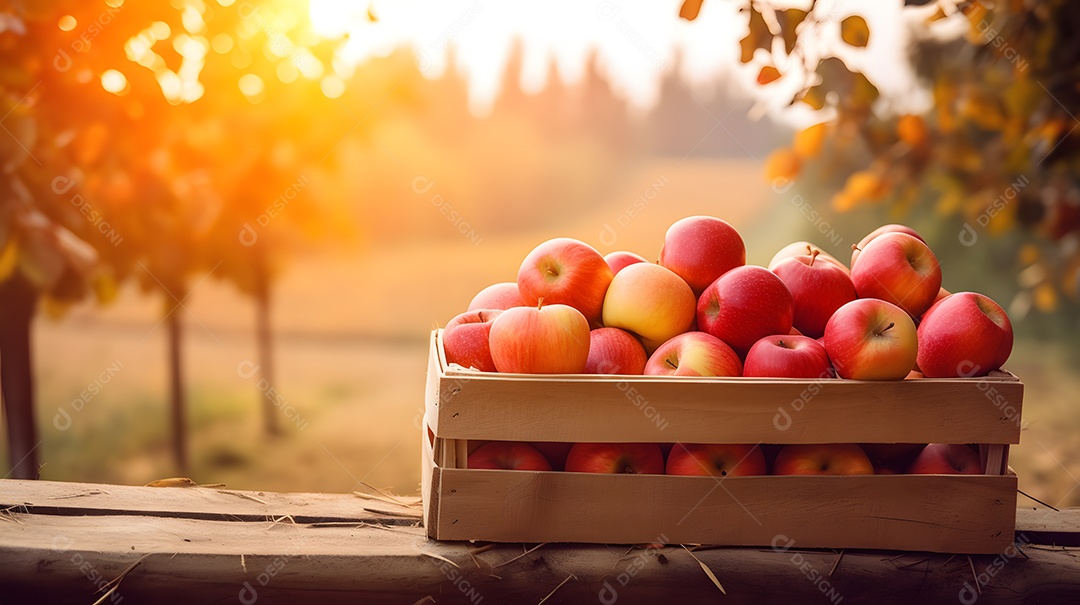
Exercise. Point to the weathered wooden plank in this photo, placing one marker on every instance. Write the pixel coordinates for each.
(52, 558)
(61, 498)
(1048, 526)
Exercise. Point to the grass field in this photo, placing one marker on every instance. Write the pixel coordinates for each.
(351, 352)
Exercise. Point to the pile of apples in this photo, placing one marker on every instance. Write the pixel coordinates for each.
(700, 310)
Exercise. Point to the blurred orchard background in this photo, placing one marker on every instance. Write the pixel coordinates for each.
(228, 227)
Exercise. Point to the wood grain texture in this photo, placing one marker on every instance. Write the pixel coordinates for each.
(938, 513)
(59, 555)
(475, 405)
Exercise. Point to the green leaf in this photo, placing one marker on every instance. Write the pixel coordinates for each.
(855, 31)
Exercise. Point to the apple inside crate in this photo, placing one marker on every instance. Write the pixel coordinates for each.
(938, 513)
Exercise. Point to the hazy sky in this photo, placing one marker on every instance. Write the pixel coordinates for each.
(635, 41)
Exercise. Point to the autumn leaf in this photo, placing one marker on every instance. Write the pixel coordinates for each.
(808, 141)
(789, 21)
(690, 9)
(782, 164)
(912, 130)
(767, 75)
(759, 36)
(855, 31)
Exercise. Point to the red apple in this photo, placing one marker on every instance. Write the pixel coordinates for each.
(818, 289)
(787, 356)
(614, 351)
(882, 230)
(545, 339)
(745, 305)
(898, 268)
(567, 272)
(650, 301)
(503, 295)
(554, 451)
(508, 455)
(797, 249)
(465, 339)
(946, 459)
(700, 249)
(870, 339)
(694, 354)
(620, 259)
(965, 334)
(615, 458)
(716, 459)
(822, 459)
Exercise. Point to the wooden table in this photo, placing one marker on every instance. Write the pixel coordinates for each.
(69, 542)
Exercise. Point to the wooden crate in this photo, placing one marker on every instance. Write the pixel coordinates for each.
(938, 513)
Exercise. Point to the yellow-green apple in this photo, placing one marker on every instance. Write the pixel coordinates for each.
(465, 339)
(882, 230)
(620, 259)
(545, 339)
(503, 295)
(965, 334)
(946, 459)
(700, 249)
(554, 451)
(508, 455)
(942, 293)
(565, 271)
(694, 354)
(870, 339)
(822, 459)
(896, 456)
(787, 356)
(898, 268)
(817, 288)
(716, 459)
(615, 351)
(745, 305)
(649, 301)
(615, 458)
(797, 249)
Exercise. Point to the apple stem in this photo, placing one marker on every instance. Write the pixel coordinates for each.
(888, 327)
(813, 255)
(670, 363)
(539, 303)
(855, 247)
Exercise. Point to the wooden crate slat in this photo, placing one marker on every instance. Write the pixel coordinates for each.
(667, 409)
(875, 511)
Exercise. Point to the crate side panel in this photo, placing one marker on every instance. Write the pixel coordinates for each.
(733, 411)
(965, 514)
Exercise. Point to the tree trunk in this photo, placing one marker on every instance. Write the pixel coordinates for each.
(265, 345)
(177, 402)
(18, 301)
